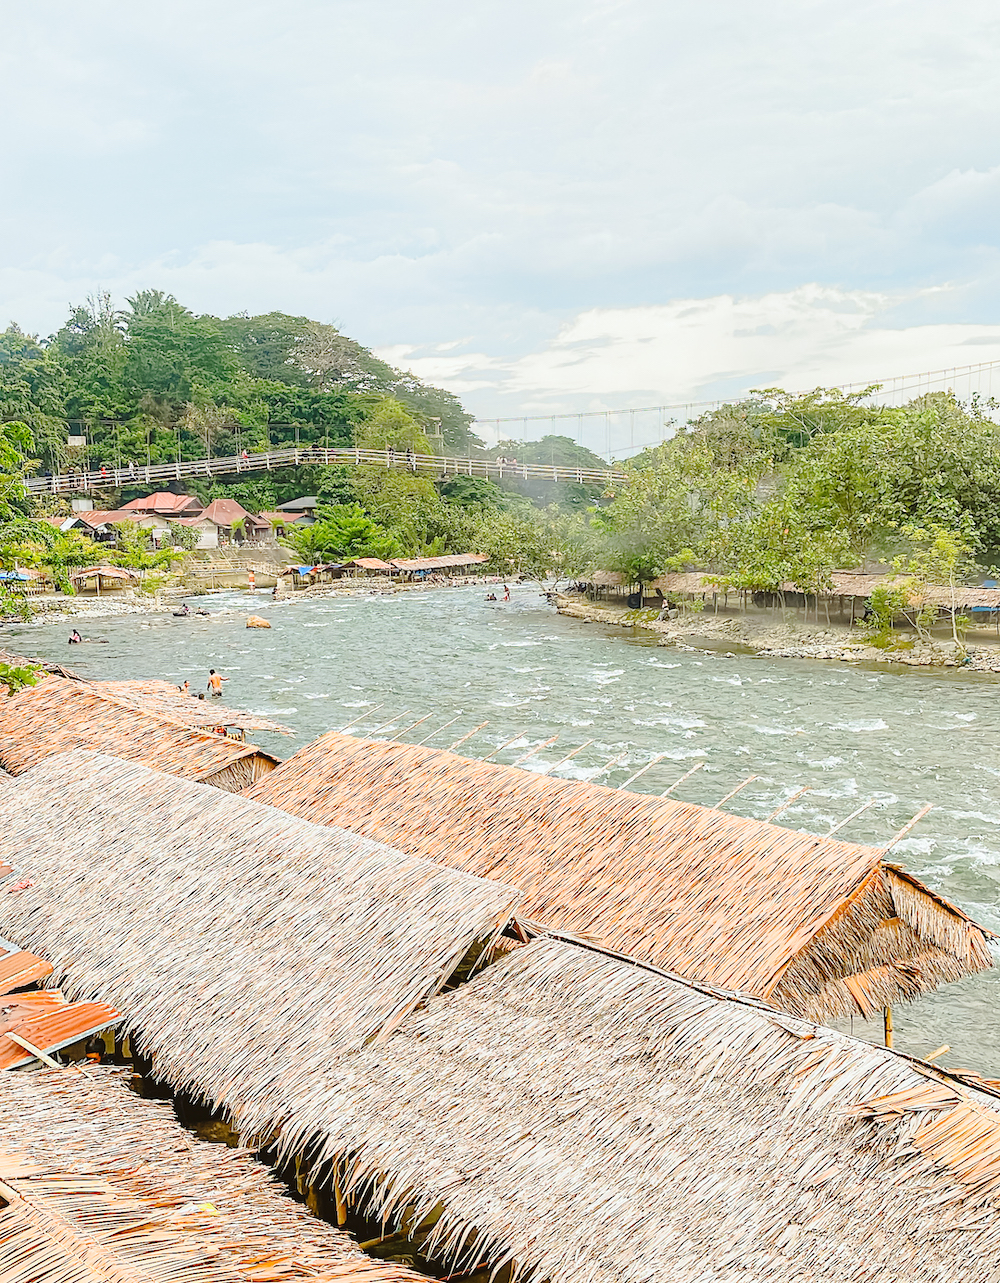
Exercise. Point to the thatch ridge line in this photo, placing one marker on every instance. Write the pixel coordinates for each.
(730, 900)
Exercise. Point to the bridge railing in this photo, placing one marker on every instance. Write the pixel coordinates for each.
(148, 474)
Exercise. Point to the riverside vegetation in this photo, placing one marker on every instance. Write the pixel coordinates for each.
(772, 490)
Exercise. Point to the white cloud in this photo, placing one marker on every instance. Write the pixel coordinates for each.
(615, 200)
(697, 350)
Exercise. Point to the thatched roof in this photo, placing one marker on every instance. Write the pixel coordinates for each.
(225, 930)
(164, 698)
(59, 714)
(450, 562)
(104, 572)
(820, 926)
(600, 1123)
(103, 1187)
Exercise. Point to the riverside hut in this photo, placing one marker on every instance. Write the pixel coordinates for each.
(248, 950)
(102, 578)
(100, 1186)
(820, 927)
(60, 714)
(584, 1118)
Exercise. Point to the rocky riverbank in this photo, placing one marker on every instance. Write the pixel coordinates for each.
(782, 637)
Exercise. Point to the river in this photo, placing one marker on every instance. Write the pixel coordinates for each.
(905, 737)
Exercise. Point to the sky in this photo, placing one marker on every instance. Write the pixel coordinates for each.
(551, 208)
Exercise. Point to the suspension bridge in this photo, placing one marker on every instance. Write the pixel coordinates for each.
(434, 465)
(626, 431)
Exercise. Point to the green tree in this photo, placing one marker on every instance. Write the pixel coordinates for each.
(340, 534)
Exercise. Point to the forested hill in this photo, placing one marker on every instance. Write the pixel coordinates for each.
(152, 380)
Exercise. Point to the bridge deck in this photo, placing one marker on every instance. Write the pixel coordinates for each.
(428, 464)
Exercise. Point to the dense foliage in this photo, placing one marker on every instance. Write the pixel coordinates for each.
(781, 489)
(155, 382)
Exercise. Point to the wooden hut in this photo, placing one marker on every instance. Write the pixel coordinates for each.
(590, 1119)
(60, 714)
(248, 950)
(416, 568)
(100, 1186)
(821, 927)
(102, 578)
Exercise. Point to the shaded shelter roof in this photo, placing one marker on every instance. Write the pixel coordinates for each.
(154, 695)
(439, 563)
(60, 714)
(104, 1187)
(227, 931)
(370, 563)
(105, 572)
(822, 927)
(597, 1122)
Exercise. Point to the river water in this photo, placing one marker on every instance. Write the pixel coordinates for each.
(905, 737)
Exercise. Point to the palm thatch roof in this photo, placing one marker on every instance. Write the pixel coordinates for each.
(59, 714)
(103, 1187)
(227, 930)
(597, 1122)
(820, 927)
(164, 698)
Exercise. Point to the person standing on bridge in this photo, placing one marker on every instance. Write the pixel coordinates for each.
(411, 461)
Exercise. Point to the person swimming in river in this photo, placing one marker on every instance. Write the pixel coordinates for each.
(506, 593)
(186, 688)
(215, 683)
(491, 596)
(75, 638)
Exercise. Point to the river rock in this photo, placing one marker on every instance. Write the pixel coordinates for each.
(255, 621)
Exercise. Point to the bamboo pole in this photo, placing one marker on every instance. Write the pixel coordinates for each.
(366, 713)
(451, 747)
(569, 756)
(658, 758)
(437, 732)
(419, 722)
(940, 1052)
(738, 789)
(906, 827)
(806, 788)
(887, 1026)
(500, 747)
(395, 718)
(686, 776)
(853, 816)
(613, 761)
(537, 749)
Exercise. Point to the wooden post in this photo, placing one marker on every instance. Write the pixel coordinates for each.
(887, 1025)
(339, 1200)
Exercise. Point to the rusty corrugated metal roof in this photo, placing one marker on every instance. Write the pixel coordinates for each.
(20, 969)
(56, 1029)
